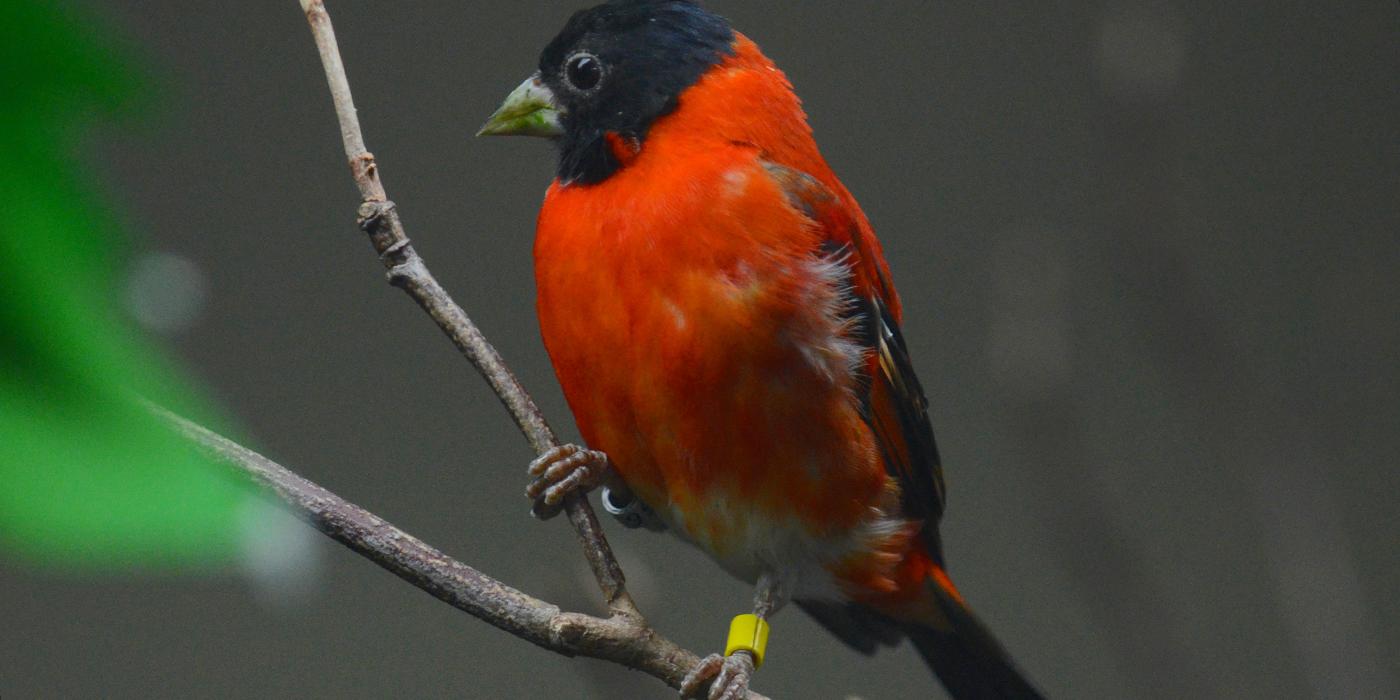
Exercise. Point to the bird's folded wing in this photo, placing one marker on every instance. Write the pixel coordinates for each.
(893, 401)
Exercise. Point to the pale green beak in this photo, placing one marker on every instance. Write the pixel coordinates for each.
(529, 111)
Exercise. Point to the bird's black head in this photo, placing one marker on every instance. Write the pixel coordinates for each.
(614, 68)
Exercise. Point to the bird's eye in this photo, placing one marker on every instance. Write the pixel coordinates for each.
(584, 71)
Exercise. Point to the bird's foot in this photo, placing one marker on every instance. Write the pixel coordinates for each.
(561, 471)
(727, 676)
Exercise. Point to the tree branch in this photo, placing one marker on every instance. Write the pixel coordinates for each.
(379, 217)
(621, 639)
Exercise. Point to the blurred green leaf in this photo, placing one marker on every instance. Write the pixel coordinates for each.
(87, 479)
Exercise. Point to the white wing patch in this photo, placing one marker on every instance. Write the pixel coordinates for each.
(828, 341)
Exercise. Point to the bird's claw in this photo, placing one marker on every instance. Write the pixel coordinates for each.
(561, 471)
(727, 676)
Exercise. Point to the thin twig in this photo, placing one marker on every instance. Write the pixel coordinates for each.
(379, 217)
(619, 639)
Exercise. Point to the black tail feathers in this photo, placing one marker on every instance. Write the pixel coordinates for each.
(970, 662)
(959, 649)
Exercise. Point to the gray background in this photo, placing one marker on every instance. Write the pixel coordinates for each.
(1148, 253)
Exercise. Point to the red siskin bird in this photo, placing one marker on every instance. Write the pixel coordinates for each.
(721, 318)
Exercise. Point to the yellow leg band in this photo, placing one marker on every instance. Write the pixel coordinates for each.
(748, 633)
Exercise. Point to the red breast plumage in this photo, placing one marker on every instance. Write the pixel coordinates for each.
(721, 318)
(698, 323)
